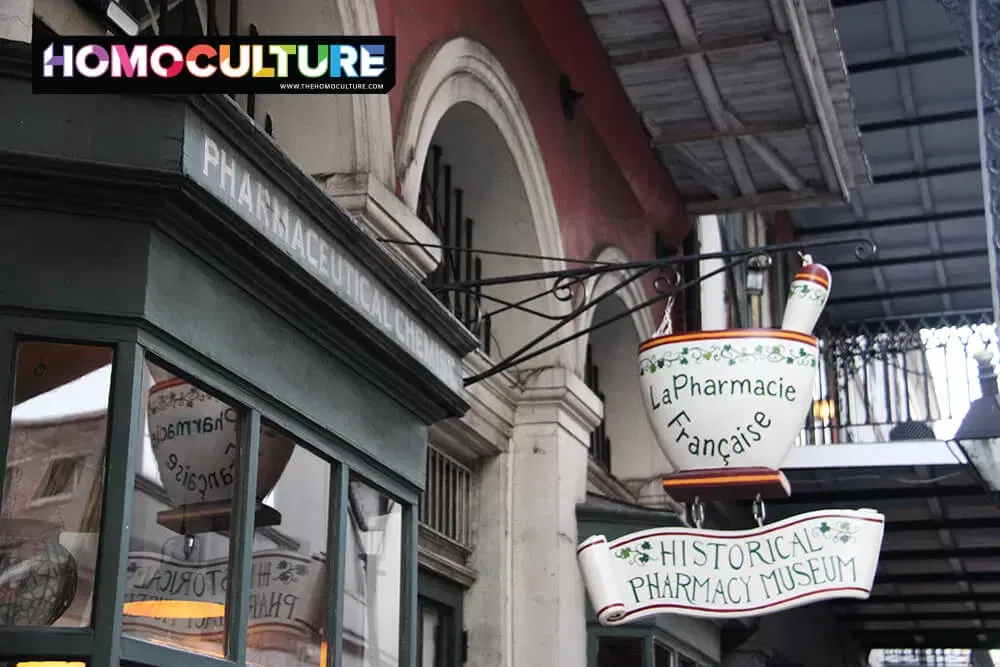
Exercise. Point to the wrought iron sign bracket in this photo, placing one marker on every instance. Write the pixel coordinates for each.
(575, 285)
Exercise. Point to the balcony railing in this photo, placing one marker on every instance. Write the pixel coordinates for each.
(921, 657)
(896, 380)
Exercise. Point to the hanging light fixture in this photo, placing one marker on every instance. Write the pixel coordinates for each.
(183, 549)
(757, 267)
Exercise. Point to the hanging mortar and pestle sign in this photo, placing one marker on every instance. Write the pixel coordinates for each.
(194, 438)
(725, 408)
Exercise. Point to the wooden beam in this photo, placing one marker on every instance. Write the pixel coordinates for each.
(764, 201)
(655, 53)
(747, 130)
(802, 95)
(924, 617)
(812, 67)
(704, 81)
(770, 157)
(701, 173)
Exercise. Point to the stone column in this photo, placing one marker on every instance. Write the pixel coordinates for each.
(549, 447)
(15, 20)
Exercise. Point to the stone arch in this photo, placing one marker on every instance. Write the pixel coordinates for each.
(326, 134)
(462, 78)
(631, 296)
(635, 456)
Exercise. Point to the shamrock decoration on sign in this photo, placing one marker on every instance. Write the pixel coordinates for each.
(636, 556)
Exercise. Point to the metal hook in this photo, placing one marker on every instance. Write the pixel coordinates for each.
(759, 510)
(697, 512)
(40, 369)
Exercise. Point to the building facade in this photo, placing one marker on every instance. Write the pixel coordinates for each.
(396, 517)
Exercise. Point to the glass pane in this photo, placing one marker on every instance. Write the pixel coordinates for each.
(685, 662)
(289, 576)
(430, 623)
(661, 656)
(372, 578)
(53, 486)
(178, 564)
(619, 652)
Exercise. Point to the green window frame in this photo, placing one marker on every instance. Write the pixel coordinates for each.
(446, 598)
(102, 644)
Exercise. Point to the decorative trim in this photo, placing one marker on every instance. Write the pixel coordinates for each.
(734, 354)
(363, 195)
(430, 556)
(559, 396)
(729, 334)
(373, 146)
(224, 116)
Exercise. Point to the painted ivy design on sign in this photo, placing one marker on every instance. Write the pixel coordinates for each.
(808, 291)
(637, 555)
(844, 532)
(732, 354)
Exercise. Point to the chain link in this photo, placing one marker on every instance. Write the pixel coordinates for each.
(697, 512)
(759, 511)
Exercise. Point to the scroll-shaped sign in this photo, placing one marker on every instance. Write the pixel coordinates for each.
(716, 574)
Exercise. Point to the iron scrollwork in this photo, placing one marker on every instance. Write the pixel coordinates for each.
(570, 285)
(987, 34)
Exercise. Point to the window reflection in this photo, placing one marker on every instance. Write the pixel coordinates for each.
(288, 572)
(373, 578)
(179, 562)
(53, 484)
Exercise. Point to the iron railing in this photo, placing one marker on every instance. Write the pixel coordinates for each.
(446, 506)
(924, 657)
(897, 380)
(439, 206)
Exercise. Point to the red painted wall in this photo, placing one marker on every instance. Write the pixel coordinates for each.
(607, 184)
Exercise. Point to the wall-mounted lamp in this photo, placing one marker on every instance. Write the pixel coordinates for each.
(568, 97)
(757, 267)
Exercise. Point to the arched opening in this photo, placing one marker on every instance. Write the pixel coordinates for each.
(623, 444)
(473, 197)
(467, 141)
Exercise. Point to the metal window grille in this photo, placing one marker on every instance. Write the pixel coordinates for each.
(440, 208)
(898, 380)
(446, 506)
(600, 443)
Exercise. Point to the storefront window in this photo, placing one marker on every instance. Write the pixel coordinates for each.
(373, 578)
(288, 572)
(53, 484)
(429, 630)
(619, 652)
(662, 656)
(179, 558)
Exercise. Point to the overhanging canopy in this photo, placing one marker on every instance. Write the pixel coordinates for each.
(746, 100)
